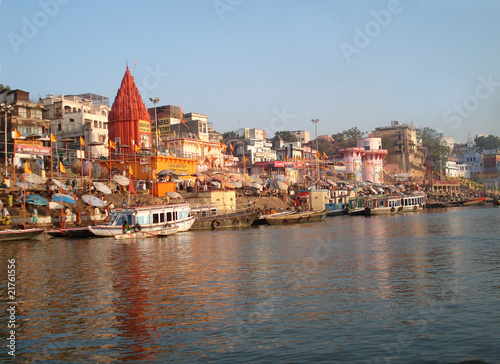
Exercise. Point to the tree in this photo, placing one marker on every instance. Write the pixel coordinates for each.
(229, 135)
(3, 88)
(286, 136)
(436, 148)
(485, 143)
(347, 138)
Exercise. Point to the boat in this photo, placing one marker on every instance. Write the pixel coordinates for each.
(71, 232)
(355, 206)
(19, 234)
(334, 205)
(262, 218)
(452, 203)
(413, 202)
(336, 209)
(168, 230)
(433, 205)
(237, 219)
(475, 202)
(299, 217)
(147, 218)
(382, 205)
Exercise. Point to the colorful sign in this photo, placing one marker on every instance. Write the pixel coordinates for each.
(144, 127)
(32, 149)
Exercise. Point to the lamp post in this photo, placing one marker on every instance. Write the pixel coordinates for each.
(316, 121)
(155, 100)
(6, 109)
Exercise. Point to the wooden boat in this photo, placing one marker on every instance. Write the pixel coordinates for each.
(382, 205)
(413, 202)
(299, 217)
(170, 230)
(336, 210)
(236, 219)
(433, 205)
(355, 206)
(74, 232)
(19, 234)
(147, 219)
(262, 218)
(475, 202)
(452, 203)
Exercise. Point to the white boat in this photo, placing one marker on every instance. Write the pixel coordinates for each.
(382, 205)
(413, 202)
(143, 234)
(19, 234)
(149, 219)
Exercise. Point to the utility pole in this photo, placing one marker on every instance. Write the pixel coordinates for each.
(316, 121)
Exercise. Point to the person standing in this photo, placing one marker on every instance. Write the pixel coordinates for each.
(35, 215)
(11, 198)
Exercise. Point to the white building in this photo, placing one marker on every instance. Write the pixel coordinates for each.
(455, 169)
(473, 160)
(75, 116)
(302, 136)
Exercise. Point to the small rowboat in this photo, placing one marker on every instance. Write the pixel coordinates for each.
(19, 234)
(147, 234)
(297, 218)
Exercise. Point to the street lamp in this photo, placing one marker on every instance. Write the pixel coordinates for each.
(6, 109)
(155, 100)
(316, 121)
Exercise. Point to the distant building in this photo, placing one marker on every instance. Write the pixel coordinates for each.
(365, 162)
(404, 148)
(302, 136)
(455, 169)
(75, 116)
(19, 114)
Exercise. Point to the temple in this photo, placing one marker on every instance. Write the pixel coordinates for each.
(128, 120)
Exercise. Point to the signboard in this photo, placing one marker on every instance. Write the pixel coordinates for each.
(32, 149)
(144, 127)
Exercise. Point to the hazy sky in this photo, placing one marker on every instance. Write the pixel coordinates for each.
(271, 64)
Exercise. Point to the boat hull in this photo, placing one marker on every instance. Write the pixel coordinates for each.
(381, 211)
(13, 235)
(221, 221)
(80, 232)
(298, 218)
(143, 234)
(475, 202)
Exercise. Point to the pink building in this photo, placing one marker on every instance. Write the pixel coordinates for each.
(366, 160)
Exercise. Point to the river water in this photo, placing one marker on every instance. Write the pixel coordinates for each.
(421, 287)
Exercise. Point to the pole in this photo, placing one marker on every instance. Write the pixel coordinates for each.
(51, 160)
(81, 164)
(60, 180)
(109, 149)
(24, 199)
(90, 191)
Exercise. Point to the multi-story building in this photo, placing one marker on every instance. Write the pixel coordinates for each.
(404, 148)
(491, 160)
(453, 168)
(473, 160)
(75, 116)
(365, 161)
(302, 136)
(19, 114)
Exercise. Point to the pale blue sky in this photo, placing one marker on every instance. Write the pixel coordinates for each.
(273, 65)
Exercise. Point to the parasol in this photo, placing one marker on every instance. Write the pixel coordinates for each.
(61, 197)
(282, 185)
(257, 185)
(102, 188)
(60, 185)
(173, 194)
(33, 178)
(165, 172)
(95, 201)
(25, 185)
(121, 180)
(37, 200)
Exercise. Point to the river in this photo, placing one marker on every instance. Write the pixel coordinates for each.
(417, 287)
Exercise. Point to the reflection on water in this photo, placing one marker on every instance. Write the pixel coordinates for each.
(378, 289)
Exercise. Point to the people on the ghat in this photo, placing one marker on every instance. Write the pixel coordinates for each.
(35, 215)
(5, 215)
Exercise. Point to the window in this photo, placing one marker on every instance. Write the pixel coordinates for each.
(156, 218)
(71, 120)
(169, 216)
(162, 217)
(95, 123)
(59, 127)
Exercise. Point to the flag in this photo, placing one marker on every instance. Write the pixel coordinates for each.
(130, 172)
(212, 157)
(82, 142)
(231, 147)
(63, 169)
(245, 159)
(317, 155)
(197, 145)
(175, 135)
(171, 153)
(220, 144)
(154, 174)
(180, 116)
(324, 155)
(137, 148)
(209, 148)
(90, 171)
(156, 151)
(17, 134)
(112, 144)
(53, 138)
(27, 168)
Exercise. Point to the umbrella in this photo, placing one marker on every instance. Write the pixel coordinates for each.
(102, 188)
(274, 185)
(95, 201)
(60, 185)
(282, 185)
(257, 185)
(237, 184)
(279, 177)
(121, 180)
(37, 200)
(164, 172)
(173, 194)
(215, 184)
(25, 185)
(303, 194)
(257, 179)
(249, 178)
(237, 177)
(228, 183)
(61, 197)
(33, 178)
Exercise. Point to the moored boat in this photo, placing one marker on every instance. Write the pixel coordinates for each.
(299, 217)
(169, 230)
(452, 203)
(413, 202)
(475, 202)
(147, 218)
(382, 205)
(262, 218)
(235, 219)
(19, 234)
(71, 232)
(355, 207)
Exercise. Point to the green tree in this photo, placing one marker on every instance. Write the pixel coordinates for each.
(286, 136)
(436, 148)
(347, 138)
(3, 88)
(489, 142)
